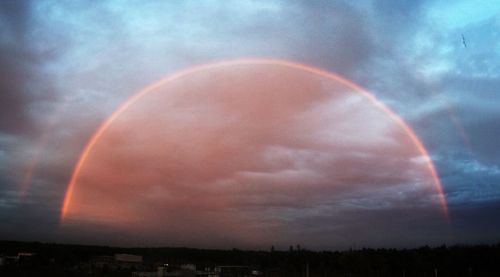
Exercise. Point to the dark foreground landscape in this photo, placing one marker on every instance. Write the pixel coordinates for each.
(47, 259)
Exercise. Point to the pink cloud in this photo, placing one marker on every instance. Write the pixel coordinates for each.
(244, 153)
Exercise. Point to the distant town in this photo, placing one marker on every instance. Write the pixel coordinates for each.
(48, 259)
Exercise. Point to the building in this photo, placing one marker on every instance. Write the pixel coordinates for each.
(128, 258)
(184, 270)
(116, 262)
(233, 271)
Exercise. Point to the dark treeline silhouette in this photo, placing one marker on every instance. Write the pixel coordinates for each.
(456, 261)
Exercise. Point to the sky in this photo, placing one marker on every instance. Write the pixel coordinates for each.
(255, 154)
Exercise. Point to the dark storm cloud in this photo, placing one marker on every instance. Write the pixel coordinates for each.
(22, 83)
(27, 98)
(347, 228)
(30, 222)
(476, 222)
(15, 65)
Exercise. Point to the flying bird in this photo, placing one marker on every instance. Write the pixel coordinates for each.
(463, 41)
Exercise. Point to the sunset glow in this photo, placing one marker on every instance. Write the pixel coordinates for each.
(162, 146)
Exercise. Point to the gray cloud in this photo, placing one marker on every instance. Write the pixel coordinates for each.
(16, 61)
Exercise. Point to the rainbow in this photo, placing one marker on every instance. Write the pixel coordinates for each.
(247, 61)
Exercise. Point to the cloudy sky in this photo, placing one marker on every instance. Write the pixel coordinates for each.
(255, 154)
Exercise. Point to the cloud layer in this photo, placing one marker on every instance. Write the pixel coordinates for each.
(254, 155)
(67, 65)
